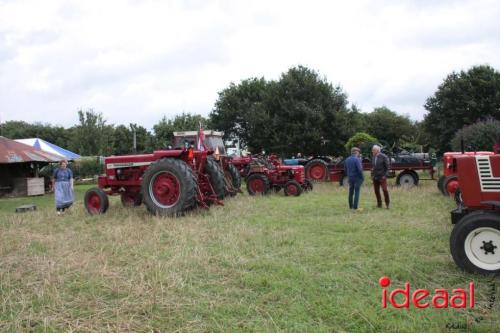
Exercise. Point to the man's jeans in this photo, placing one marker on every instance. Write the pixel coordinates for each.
(354, 188)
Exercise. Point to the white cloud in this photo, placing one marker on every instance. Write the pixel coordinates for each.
(136, 61)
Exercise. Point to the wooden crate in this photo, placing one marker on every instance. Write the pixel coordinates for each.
(35, 186)
(28, 186)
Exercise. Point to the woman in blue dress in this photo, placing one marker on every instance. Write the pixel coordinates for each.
(63, 187)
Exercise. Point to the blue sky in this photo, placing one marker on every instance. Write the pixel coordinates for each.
(136, 61)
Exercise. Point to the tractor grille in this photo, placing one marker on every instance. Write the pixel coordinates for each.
(488, 182)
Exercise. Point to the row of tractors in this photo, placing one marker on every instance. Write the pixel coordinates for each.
(473, 180)
(193, 172)
(196, 172)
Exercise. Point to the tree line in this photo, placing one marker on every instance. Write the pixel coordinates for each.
(300, 112)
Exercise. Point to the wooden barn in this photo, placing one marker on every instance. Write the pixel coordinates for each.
(20, 166)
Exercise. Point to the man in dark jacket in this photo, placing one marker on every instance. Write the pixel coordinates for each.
(354, 171)
(380, 169)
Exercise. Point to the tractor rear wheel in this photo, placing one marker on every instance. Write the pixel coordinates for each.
(131, 199)
(407, 179)
(257, 183)
(169, 187)
(216, 176)
(96, 201)
(293, 188)
(317, 170)
(440, 183)
(450, 185)
(475, 243)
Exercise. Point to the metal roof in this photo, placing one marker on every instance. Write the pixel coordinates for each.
(15, 152)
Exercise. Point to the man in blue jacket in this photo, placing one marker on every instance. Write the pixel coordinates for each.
(354, 170)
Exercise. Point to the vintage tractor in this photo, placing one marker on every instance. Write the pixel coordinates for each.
(213, 141)
(448, 182)
(169, 182)
(316, 167)
(266, 174)
(242, 164)
(475, 239)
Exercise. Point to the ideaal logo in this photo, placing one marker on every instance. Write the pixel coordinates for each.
(439, 298)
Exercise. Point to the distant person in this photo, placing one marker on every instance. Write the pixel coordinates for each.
(354, 171)
(63, 187)
(380, 169)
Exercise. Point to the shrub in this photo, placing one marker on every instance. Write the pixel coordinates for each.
(481, 135)
(87, 167)
(363, 141)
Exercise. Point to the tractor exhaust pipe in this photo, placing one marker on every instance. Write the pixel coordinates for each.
(462, 145)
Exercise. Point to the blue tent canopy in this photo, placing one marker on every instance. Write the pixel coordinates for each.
(46, 146)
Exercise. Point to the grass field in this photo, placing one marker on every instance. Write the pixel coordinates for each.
(258, 264)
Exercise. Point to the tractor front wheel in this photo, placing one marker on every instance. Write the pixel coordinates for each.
(257, 183)
(475, 243)
(317, 170)
(96, 201)
(293, 188)
(169, 187)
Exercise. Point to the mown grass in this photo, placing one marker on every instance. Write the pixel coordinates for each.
(264, 264)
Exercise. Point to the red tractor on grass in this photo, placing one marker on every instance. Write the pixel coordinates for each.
(475, 239)
(266, 174)
(169, 182)
(316, 167)
(448, 182)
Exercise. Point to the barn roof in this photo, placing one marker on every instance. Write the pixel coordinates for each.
(15, 152)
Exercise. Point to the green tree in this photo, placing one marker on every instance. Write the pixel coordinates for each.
(389, 127)
(23, 130)
(462, 99)
(479, 136)
(92, 136)
(144, 139)
(165, 128)
(363, 141)
(241, 112)
(122, 137)
(301, 112)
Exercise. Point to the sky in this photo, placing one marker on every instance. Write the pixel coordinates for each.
(136, 61)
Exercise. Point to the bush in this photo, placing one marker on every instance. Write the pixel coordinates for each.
(479, 136)
(87, 167)
(363, 141)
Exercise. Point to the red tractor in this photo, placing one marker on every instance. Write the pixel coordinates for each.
(448, 182)
(169, 182)
(475, 239)
(266, 174)
(213, 140)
